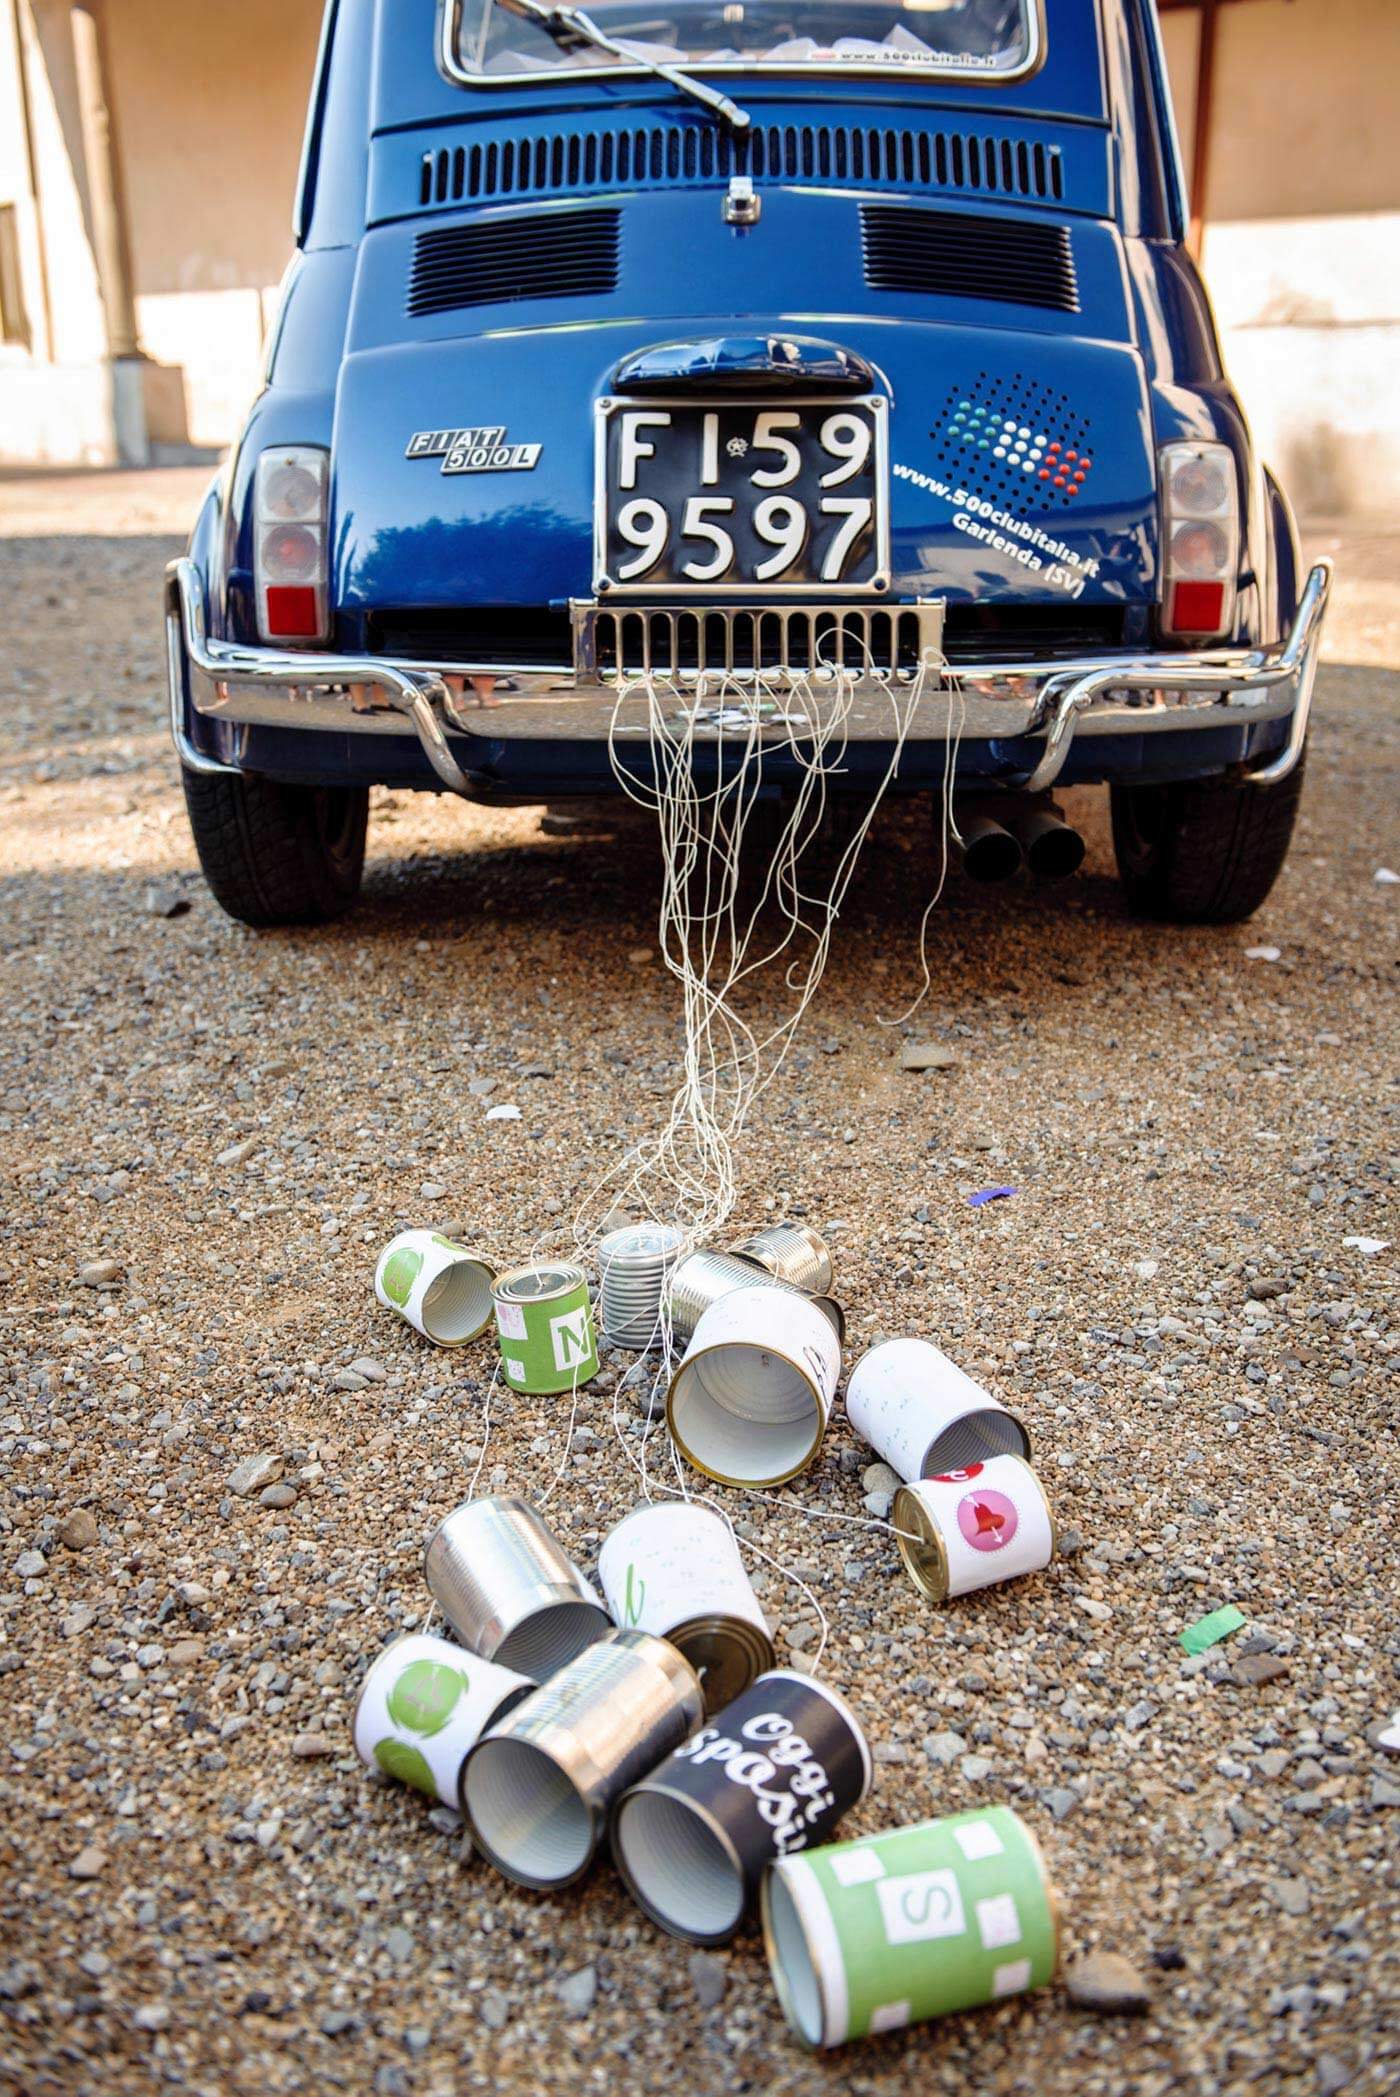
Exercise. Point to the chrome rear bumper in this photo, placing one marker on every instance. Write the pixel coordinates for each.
(370, 695)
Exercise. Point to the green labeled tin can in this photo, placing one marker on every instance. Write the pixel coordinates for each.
(869, 1936)
(545, 1324)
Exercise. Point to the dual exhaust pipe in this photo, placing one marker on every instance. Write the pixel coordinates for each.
(1030, 836)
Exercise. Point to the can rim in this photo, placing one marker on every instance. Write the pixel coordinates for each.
(975, 1412)
(754, 1646)
(931, 1579)
(781, 1985)
(564, 1268)
(647, 1788)
(845, 1710)
(514, 1872)
(688, 1361)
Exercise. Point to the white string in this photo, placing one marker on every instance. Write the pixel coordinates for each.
(948, 831)
(548, 1495)
(485, 1428)
(710, 939)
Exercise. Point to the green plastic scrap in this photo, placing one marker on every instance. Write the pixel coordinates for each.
(1209, 1630)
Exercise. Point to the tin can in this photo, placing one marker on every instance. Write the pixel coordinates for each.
(923, 1414)
(873, 1935)
(537, 1790)
(674, 1569)
(423, 1703)
(750, 1401)
(974, 1527)
(633, 1264)
(791, 1252)
(771, 1774)
(509, 1590)
(545, 1324)
(440, 1287)
(704, 1277)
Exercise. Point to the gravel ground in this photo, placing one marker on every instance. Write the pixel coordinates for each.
(234, 1123)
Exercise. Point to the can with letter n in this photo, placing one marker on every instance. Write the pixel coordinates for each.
(423, 1703)
(974, 1527)
(537, 1789)
(770, 1774)
(509, 1589)
(870, 1936)
(544, 1321)
(674, 1569)
(923, 1414)
(750, 1401)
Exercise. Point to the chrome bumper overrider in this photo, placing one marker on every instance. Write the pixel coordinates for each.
(369, 695)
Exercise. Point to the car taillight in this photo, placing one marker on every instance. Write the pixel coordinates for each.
(289, 547)
(1200, 539)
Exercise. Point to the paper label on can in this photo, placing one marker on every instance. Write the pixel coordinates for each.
(924, 1904)
(572, 1337)
(510, 1321)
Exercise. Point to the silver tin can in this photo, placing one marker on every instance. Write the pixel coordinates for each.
(674, 1569)
(423, 1703)
(704, 1277)
(537, 1789)
(924, 1414)
(750, 1401)
(791, 1252)
(508, 1588)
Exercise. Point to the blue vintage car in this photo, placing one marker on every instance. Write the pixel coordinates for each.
(712, 348)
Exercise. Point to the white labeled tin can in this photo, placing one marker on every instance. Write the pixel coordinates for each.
(925, 1414)
(750, 1401)
(674, 1569)
(443, 1289)
(509, 1589)
(423, 1704)
(974, 1527)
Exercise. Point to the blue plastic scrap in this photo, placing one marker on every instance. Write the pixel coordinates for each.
(977, 1201)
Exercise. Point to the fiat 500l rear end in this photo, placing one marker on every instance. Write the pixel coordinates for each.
(689, 359)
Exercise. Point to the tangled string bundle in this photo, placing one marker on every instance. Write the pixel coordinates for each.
(717, 933)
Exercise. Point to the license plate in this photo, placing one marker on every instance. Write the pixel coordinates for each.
(729, 499)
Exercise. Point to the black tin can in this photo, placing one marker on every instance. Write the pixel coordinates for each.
(770, 1775)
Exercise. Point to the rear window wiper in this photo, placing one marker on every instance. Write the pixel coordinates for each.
(570, 26)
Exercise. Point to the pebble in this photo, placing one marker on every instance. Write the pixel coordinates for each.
(1253, 1670)
(578, 1991)
(278, 1496)
(78, 1530)
(336, 2023)
(1384, 1794)
(494, 2009)
(31, 1565)
(152, 2016)
(1294, 1896)
(1107, 1982)
(1061, 1801)
(90, 1863)
(945, 1748)
(93, 1273)
(398, 1943)
(880, 1478)
(308, 1745)
(709, 1977)
(432, 1190)
(927, 1055)
(253, 1473)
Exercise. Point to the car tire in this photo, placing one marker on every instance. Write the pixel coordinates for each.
(1206, 852)
(274, 854)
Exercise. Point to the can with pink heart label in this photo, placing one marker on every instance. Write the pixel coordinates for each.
(973, 1527)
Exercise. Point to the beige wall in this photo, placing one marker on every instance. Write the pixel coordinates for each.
(1302, 241)
(209, 102)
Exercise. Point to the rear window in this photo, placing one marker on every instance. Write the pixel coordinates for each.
(997, 38)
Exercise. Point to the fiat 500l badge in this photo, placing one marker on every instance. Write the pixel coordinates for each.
(481, 450)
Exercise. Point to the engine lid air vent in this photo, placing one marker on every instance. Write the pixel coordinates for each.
(947, 254)
(667, 156)
(547, 255)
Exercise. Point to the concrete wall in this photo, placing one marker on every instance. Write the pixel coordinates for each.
(210, 103)
(1302, 242)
